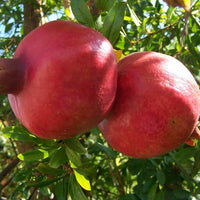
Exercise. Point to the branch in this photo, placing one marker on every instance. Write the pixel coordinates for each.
(9, 168)
(117, 180)
(7, 183)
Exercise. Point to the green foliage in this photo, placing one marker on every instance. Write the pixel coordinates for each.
(68, 169)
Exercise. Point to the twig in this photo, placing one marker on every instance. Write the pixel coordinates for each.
(121, 187)
(13, 146)
(152, 33)
(32, 193)
(185, 29)
(3, 186)
(118, 181)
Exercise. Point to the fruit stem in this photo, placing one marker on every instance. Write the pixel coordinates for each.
(11, 75)
(195, 134)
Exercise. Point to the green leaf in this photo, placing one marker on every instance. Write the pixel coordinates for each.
(181, 194)
(45, 169)
(134, 16)
(22, 174)
(75, 190)
(18, 188)
(82, 180)
(75, 145)
(82, 13)
(8, 27)
(113, 22)
(58, 158)
(105, 5)
(73, 156)
(105, 149)
(95, 131)
(160, 177)
(183, 155)
(160, 195)
(34, 155)
(46, 182)
(18, 134)
(127, 197)
(192, 48)
(152, 192)
(61, 190)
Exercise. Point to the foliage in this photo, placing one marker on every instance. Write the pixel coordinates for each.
(85, 167)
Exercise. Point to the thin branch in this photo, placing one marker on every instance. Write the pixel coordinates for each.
(6, 184)
(121, 187)
(153, 33)
(32, 193)
(9, 168)
(117, 181)
(13, 146)
(185, 29)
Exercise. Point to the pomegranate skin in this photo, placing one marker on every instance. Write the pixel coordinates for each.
(156, 108)
(70, 80)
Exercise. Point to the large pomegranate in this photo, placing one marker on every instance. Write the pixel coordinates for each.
(62, 79)
(156, 108)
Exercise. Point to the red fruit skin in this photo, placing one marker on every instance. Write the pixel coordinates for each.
(156, 108)
(70, 80)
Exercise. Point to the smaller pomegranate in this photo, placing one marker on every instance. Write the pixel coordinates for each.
(156, 107)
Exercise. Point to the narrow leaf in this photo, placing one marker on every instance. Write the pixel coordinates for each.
(73, 156)
(58, 158)
(127, 197)
(75, 190)
(61, 190)
(161, 177)
(19, 134)
(106, 150)
(82, 180)
(46, 183)
(134, 16)
(152, 192)
(82, 13)
(34, 155)
(75, 145)
(113, 22)
(105, 5)
(45, 169)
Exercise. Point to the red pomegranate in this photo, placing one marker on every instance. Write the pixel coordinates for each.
(156, 108)
(62, 79)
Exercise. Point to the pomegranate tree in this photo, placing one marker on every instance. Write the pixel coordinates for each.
(62, 79)
(156, 108)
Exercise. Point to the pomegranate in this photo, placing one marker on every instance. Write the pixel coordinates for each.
(62, 79)
(156, 108)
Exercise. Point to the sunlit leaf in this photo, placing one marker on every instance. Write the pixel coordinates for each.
(118, 54)
(34, 155)
(134, 16)
(113, 22)
(186, 4)
(82, 180)
(75, 190)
